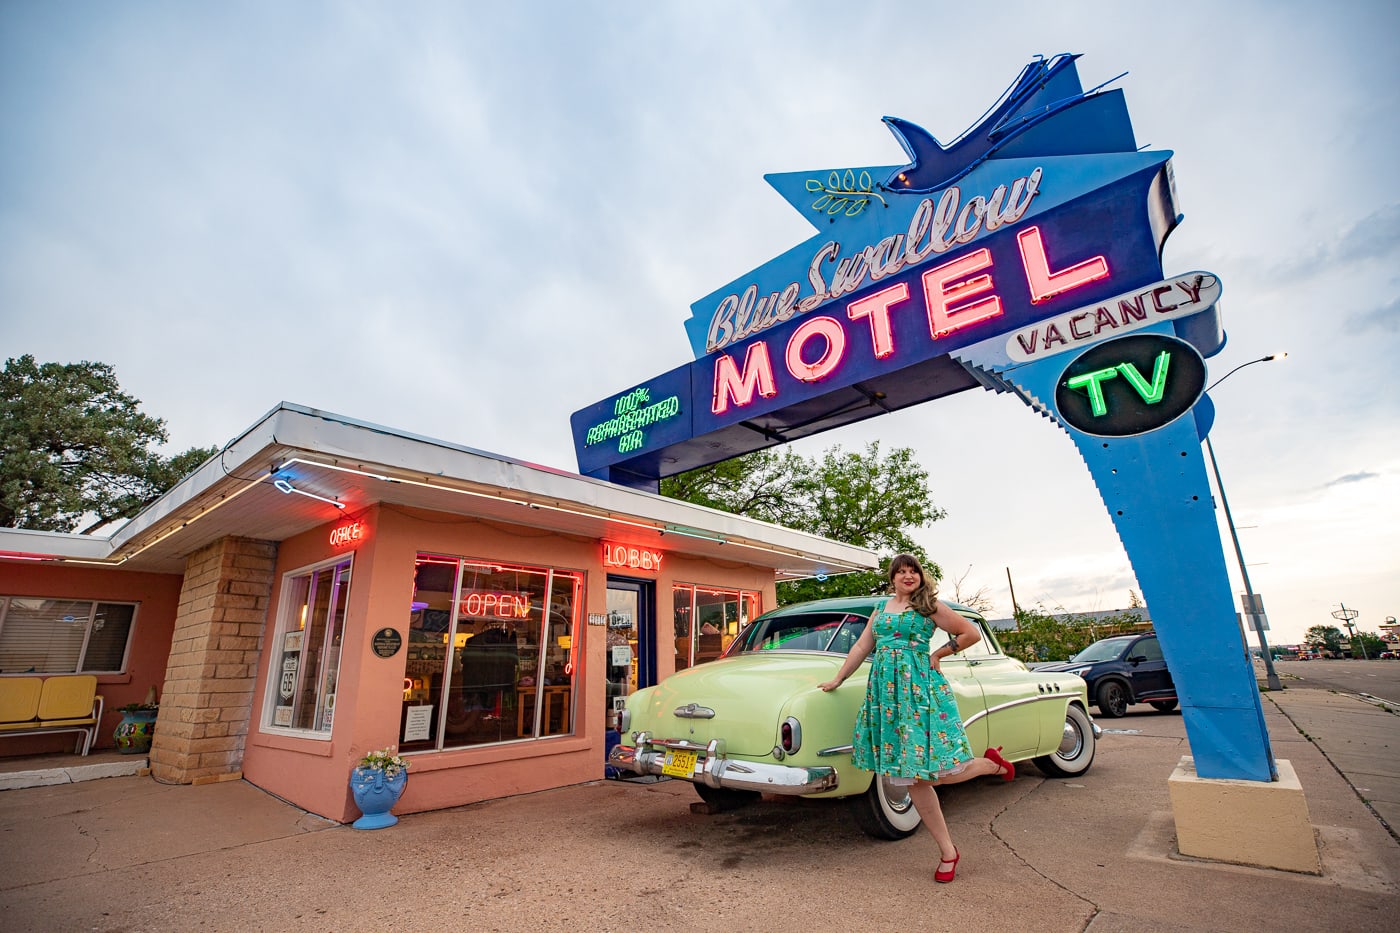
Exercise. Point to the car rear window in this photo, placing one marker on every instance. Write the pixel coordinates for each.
(817, 631)
(1107, 649)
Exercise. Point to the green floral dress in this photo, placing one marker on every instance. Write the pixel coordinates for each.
(909, 726)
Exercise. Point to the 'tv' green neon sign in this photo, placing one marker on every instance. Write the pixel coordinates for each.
(1104, 392)
(1151, 392)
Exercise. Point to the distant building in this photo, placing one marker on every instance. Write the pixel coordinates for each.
(1102, 615)
(1390, 630)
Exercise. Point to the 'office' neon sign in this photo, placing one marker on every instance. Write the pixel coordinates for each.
(348, 534)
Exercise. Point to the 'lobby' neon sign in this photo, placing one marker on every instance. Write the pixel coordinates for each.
(630, 557)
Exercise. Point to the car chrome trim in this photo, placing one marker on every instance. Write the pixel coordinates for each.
(835, 750)
(712, 768)
(1014, 703)
(694, 711)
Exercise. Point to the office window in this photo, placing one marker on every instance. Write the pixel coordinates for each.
(305, 652)
(42, 635)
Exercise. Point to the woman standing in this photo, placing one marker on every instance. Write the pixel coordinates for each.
(909, 728)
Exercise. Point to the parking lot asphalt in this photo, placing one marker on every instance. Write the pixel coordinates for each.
(1095, 853)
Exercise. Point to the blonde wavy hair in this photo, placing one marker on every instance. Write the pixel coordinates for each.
(923, 600)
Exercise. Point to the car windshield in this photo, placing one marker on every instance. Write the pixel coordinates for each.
(1105, 650)
(816, 631)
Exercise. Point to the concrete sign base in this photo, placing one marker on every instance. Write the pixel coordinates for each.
(1258, 823)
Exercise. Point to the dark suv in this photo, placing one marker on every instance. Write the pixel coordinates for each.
(1122, 670)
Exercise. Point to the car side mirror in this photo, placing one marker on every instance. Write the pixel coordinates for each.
(1137, 659)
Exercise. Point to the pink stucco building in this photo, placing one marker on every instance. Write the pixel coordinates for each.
(325, 587)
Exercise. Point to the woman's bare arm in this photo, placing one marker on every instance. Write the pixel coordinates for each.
(859, 652)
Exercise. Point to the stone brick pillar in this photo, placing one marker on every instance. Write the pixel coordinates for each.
(208, 694)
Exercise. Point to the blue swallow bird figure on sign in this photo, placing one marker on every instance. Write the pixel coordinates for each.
(1020, 123)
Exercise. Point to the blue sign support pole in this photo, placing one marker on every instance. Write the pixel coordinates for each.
(1158, 494)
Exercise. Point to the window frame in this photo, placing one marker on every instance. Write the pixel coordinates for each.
(750, 607)
(7, 601)
(324, 713)
(981, 649)
(556, 580)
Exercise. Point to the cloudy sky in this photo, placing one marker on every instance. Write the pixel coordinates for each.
(467, 220)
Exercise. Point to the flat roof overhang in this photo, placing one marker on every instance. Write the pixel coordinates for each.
(358, 464)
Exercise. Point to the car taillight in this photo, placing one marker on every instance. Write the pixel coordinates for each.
(790, 735)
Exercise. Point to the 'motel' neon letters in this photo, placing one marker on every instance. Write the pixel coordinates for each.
(957, 294)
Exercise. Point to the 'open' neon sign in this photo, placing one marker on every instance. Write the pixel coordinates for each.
(488, 604)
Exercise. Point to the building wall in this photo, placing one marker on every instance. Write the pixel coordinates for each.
(158, 595)
(314, 773)
(201, 639)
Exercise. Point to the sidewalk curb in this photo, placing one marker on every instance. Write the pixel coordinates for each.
(71, 774)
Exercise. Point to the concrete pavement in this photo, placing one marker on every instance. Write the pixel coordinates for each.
(1095, 854)
(1359, 737)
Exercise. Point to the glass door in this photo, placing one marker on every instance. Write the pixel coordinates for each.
(631, 653)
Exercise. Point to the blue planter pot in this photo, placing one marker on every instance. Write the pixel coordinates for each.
(375, 795)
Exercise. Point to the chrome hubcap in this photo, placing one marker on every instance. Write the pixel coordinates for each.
(1070, 742)
(896, 796)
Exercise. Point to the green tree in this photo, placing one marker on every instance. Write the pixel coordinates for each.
(74, 446)
(1324, 638)
(867, 498)
(1042, 636)
(1367, 645)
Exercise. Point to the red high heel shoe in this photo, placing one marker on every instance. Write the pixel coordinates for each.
(943, 877)
(994, 756)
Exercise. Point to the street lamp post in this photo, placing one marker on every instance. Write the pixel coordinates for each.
(1274, 682)
(1345, 615)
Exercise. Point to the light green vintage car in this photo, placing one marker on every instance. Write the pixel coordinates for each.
(755, 722)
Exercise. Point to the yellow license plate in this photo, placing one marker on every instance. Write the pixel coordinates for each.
(678, 764)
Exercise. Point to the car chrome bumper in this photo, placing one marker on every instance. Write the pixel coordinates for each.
(714, 769)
